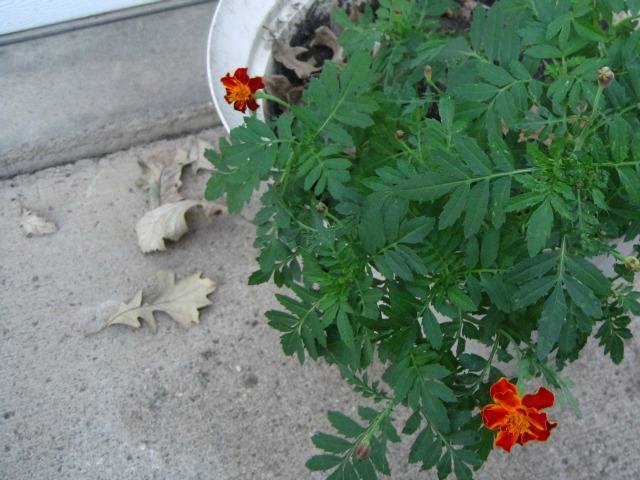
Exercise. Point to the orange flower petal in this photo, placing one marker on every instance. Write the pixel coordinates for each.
(501, 386)
(240, 106)
(241, 75)
(505, 440)
(493, 416)
(507, 399)
(537, 419)
(229, 82)
(543, 398)
(256, 84)
(252, 104)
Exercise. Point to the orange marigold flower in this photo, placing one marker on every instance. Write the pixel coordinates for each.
(240, 90)
(518, 420)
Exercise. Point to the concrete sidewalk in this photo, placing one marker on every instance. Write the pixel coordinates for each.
(219, 401)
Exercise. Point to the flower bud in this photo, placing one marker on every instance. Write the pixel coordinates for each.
(321, 208)
(427, 73)
(399, 134)
(362, 451)
(605, 77)
(632, 264)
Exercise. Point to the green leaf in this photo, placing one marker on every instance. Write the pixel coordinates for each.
(533, 291)
(500, 191)
(490, 247)
(446, 109)
(495, 75)
(476, 92)
(454, 206)
(531, 268)
(322, 462)
(477, 161)
(426, 187)
(435, 410)
(330, 443)
(539, 228)
(587, 273)
(611, 335)
(554, 314)
(344, 327)
(461, 299)
(477, 208)
(464, 437)
(344, 425)
(631, 182)
(583, 297)
(423, 445)
(431, 329)
(523, 201)
(498, 291)
(543, 52)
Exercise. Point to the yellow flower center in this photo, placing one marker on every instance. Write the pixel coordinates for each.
(240, 92)
(518, 422)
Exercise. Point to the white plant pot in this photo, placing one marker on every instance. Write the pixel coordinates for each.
(240, 36)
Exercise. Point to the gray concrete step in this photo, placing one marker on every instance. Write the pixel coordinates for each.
(91, 91)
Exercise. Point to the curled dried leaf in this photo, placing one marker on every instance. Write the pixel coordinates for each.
(286, 55)
(280, 87)
(35, 224)
(325, 37)
(162, 173)
(167, 222)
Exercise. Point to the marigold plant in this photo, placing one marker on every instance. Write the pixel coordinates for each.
(434, 204)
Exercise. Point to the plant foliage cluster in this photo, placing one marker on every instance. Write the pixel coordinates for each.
(412, 216)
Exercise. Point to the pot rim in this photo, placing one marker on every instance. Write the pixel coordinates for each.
(250, 44)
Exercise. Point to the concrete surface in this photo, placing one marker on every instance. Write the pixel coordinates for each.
(92, 91)
(219, 401)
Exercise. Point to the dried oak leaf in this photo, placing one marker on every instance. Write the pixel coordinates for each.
(168, 222)
(280, 87)
(325, 37)
(180, 300)
(162, 173)
(197, 147)
(286, 55)
(34, 224)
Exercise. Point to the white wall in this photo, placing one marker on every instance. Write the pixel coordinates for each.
(18, 15)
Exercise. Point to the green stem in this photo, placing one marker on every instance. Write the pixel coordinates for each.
(585, 130)
(271, 98)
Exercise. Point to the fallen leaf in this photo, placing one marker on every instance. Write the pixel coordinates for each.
(280, 87)
(197, 147)
(180, 300)
(162, 173)
(168, 222)
(325, 37)
(34, 224)
(286, 55)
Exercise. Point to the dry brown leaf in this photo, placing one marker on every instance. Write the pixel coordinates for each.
(324, 36)
(168, 222)
(197, 148)
(280, 87)
(180, 300)
(34, 224)
(286, 55)
(162, 173)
